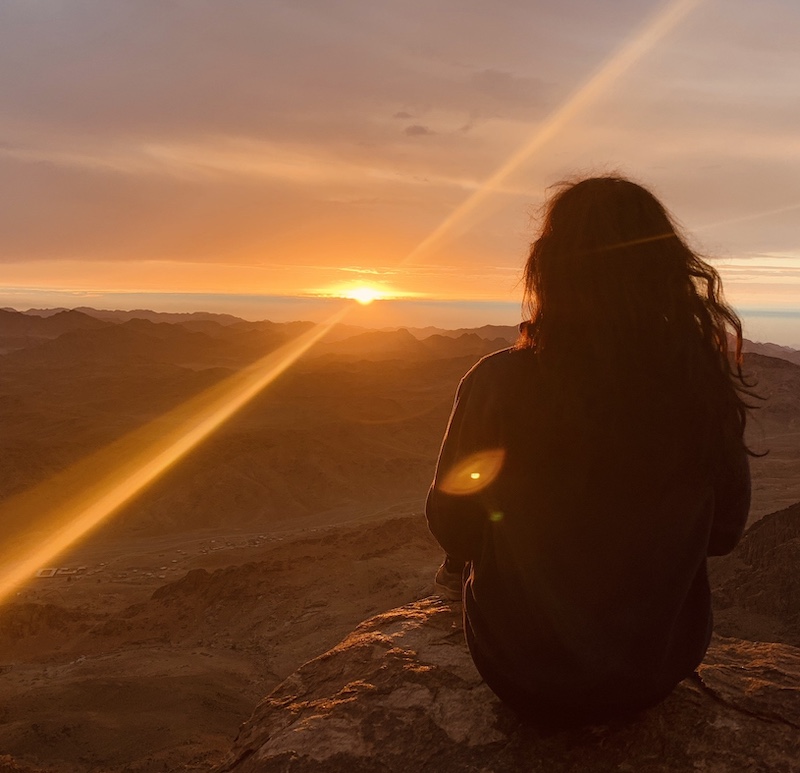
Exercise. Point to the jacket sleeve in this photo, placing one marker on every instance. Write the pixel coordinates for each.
(458, 521)
(731, 504)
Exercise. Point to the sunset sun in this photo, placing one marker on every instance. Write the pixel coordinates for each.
(363, 294)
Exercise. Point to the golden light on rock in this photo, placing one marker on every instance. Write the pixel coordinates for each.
(474, 473)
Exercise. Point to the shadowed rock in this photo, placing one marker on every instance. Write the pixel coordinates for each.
(9, 765)
(401, 694)
(757, 586)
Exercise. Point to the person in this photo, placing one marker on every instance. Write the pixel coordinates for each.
(587, 472)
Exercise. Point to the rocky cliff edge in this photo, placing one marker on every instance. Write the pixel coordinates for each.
(401, 694)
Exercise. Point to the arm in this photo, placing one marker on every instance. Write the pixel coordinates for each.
(458, 521)
(731, 504)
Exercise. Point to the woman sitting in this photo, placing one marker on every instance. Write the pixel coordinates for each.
(587, 472)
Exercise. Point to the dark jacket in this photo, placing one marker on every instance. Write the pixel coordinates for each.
(587, 592)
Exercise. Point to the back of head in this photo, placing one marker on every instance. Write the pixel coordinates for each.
(622, 311)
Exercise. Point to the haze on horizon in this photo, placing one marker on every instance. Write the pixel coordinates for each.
(159, 154)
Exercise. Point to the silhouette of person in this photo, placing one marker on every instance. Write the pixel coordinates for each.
(587, 472)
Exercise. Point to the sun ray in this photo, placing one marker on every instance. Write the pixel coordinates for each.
(646, 39)
(42, 523)
(750, 216)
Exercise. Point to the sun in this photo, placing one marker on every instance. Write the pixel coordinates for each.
(363, 294)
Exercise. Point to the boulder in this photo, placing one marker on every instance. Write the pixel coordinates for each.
(401, 694)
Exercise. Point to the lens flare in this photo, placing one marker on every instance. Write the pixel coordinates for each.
(38, 525)
(473, 474)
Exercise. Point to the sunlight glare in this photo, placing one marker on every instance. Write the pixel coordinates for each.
(364, 295)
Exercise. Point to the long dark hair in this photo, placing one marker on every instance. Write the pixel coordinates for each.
(613, 291)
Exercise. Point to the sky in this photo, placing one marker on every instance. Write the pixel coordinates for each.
(239, 155)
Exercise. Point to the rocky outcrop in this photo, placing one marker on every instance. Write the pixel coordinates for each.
(9, 765)
(757, 587)
(768, 534)
(401, 694)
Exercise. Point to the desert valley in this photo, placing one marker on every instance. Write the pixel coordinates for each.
(149, 643)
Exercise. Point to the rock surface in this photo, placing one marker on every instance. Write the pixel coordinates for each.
(401, 694)
(756, 588)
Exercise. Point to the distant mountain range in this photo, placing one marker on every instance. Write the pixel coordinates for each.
(121, 315)
(358, 419)
(20, 329)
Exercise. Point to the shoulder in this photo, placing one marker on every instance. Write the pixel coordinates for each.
(501, 369)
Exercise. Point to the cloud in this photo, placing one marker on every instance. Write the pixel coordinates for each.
(416, 130)
(250, 67)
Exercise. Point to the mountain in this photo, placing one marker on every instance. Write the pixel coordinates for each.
(197, 321)
(508, 333)
(772, 350)
(401, 344)
(463, 345)
(118, 315)
(41, 312)
(18, 330)
(141, 341)
(357, 419)
(373, 345)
